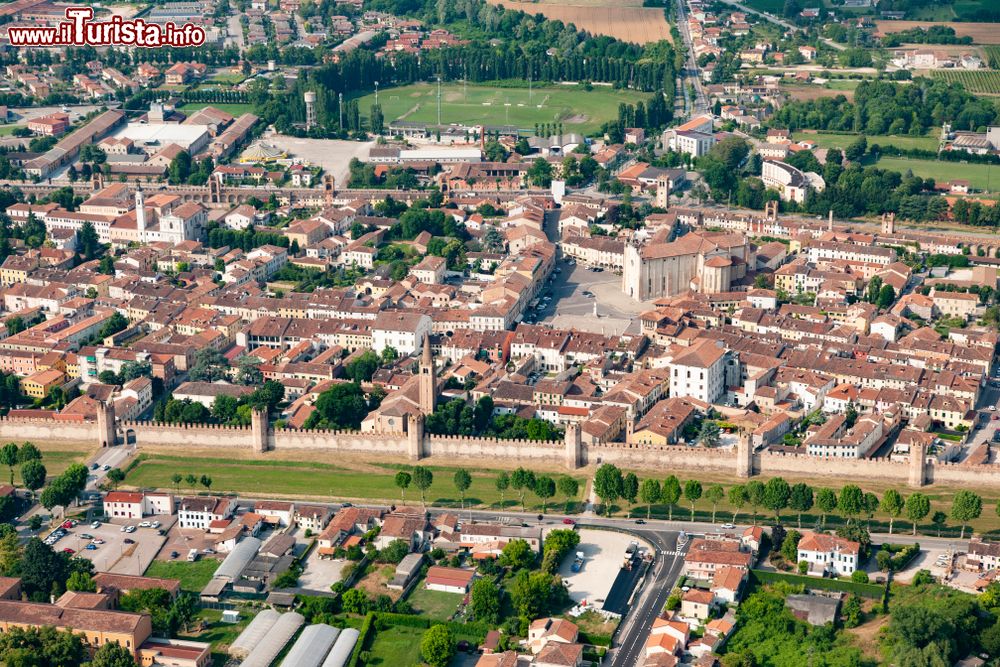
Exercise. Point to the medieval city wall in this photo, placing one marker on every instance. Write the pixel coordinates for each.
(512, 452)
(18, 429)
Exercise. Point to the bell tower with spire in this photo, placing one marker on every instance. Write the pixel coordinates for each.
(428, 379)
(140, 210)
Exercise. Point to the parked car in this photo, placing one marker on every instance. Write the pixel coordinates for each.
(106, 467)
(96, 524)
(155, 524)
(97, 541)
(174, 554)
(128, 540)
(91, 547)
(145, 524)
(86, 536)
(69, 551)
(727, 526)
(130, 529)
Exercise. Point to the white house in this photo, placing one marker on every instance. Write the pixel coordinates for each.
(200, 512)
(276, 511)
(449, 579)
(699, 372)
(403, 330)
(828, 554)
(123, 504)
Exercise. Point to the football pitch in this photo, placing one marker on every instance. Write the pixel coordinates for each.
(579, 110)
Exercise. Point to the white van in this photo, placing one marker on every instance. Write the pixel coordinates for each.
(192, 555)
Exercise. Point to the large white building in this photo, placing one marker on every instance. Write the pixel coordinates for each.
(791, 184)
(828, 554)
(405, 331)
(699, 372)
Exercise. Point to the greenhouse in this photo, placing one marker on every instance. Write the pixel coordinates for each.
(270, 646)
(341, 651)
(311, 646)
(253, 633)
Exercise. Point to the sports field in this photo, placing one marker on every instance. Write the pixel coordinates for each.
(835, 140)
(577, 109)
(979, 176)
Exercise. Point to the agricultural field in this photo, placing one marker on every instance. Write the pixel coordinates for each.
(981, 82)
(807, 91)
(992, 55)
(981, 33)
(626, 20)
(578, 110)
(980, 176)
(769, 6)
(836, 140)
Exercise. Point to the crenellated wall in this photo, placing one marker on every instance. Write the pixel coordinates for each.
(443, 449)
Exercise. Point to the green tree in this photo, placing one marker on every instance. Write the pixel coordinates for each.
(851, 502)
(116, 476)
(630, 487)
(517, 555)
(670, 494)
(341, 406)
(33, 475)
(776, 496)
(522, 480)
(402, 481)
(112, 654)
(502, 483)
(8, 457)
(738, 499)
(463, 480)
(892, 504)
(692, 493)
(918, 506)
(545, 488)
(939, 519)
(81, 581)
(966, 506)
(826, 501)
(790, 546)
(649, 493)
(176, 479)
(608, 485)
(484, 601)
(715, 495)
(569, 487)
(755, 497)
(710, 434)
(88, 242)
(422, 479)
(540, 173)
(886, 296)
(800, 499)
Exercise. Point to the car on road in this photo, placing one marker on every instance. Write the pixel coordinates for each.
(569, 522)
(106, 467)
(641, 522)
(727, 526)
(95, 466)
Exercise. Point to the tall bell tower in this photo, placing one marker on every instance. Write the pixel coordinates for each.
(428, 379)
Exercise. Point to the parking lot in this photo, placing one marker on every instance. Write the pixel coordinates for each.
(181, 541)
(604, 552)
(320, 573)
(115, 554)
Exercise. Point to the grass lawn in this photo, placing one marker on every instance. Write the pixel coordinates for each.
(437, 605)
(234, 109)
(770, 6)
(7, 130)
(220, 635)
(842, 84)
(57, 460)
(396, 645)
(834, 140)
(231, 78)
(579, 110)
(980, 176)
(319, 479)
(193, 576)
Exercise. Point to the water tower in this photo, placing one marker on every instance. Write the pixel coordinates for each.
(310, 98)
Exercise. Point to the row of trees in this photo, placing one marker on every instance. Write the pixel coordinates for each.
(776, 496)
(520, 480)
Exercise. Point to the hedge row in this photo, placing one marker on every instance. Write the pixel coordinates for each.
(366, 630)
(873, 591)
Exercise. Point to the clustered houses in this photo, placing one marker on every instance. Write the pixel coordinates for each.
(716, 567)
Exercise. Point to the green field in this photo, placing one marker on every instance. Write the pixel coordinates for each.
(770, 6)
(437, 605)
(834, 140)
(577, 109)
(234, 109)
(396, 645)
(193, 576)
(296, 478)
(7, 130)
(980, 176)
